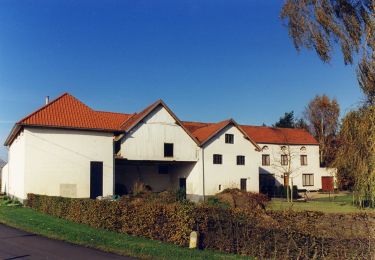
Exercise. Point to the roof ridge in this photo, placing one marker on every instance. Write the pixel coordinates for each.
(278, 128)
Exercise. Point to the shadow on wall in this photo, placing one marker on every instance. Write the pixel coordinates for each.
(270, 185)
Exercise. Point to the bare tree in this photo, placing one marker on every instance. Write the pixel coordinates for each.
(283, 163)
(322, 115)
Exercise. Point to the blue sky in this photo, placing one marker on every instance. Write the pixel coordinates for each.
(208, 60)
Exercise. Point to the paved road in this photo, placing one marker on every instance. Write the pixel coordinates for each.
(16, 244)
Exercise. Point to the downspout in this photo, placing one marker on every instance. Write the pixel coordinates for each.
(204, 192)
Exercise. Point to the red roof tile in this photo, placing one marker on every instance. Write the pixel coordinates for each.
(262, 134)
(134, 119)
(68, 112)
(192, 126)
(204, 133)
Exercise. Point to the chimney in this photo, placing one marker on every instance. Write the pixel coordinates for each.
(47, 100)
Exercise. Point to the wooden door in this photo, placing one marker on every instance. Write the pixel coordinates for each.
(327, 183)
(286, 180)
(244, 184)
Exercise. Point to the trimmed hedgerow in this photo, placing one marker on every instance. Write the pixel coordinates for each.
(255, 232)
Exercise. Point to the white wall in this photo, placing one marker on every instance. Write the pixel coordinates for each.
(228, 174)
(15, 180)
(297, 170)
(56, 157)
(4, 179)
(146, 141)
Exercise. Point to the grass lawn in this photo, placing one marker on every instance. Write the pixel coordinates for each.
(337, 204)
(48, 226)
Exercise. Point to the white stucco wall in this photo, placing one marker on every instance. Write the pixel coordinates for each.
(297, 170)
(14, 184)
(4, 179)
(228, 174)
(56, 157)
(146, 141)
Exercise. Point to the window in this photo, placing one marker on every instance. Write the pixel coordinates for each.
(218, 159)
(284, 159)
(229, 138)
(240, 160)
(265, 159)
(307, 179)
(303, 159)
(163, 169)
(243, 185)
(168, 150)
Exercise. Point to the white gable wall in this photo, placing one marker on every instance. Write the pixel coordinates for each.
(56, 157)
(228, 174)
(146, 141)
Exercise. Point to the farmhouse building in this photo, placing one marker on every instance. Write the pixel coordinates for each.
(68, 149)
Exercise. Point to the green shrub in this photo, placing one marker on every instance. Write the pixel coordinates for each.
(241, 230)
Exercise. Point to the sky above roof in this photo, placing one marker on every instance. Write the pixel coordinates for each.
(208, 60)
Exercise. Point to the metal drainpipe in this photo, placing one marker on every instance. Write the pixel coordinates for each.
(204, 192)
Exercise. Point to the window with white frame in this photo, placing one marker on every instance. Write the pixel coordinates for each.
(284, 159)
(303, 160)
(307, 179)
(265, 159)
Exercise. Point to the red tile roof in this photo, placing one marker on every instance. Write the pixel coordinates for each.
(205, 133)
(68, 112)
(271, 135)
(135, 118)
(192, 126)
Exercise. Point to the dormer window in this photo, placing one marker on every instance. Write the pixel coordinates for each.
(229, 138)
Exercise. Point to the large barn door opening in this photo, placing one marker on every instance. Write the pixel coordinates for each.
(96, 179)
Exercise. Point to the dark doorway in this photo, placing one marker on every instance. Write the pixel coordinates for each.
(183, 183)
(182, 189)
(243, 184)
(96, 179)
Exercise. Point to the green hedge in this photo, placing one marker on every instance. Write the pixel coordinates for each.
(248, 232)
